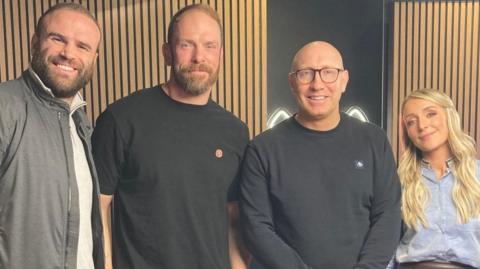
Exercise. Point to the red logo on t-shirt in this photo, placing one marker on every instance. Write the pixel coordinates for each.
(219, 153)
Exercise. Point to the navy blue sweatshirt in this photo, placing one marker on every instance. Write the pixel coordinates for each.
(319, 200)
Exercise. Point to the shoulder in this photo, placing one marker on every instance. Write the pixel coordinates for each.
(227, 119)
(363, 130)
(12, 91)
(12, 98)
(276, 135)
(13, 106)
(135, 100)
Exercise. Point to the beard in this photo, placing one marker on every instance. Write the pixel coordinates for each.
(194, 85)
(60, 87)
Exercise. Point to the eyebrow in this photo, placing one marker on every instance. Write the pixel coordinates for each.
(64, 38)
(85, 45)
(56, 34)
(424, 109)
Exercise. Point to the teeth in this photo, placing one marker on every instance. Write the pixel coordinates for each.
(317, 97)
(65, 67)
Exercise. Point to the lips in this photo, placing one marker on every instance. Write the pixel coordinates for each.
(65, 67)
(319, 98)
(426, 136)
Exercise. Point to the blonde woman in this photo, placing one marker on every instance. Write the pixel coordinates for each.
(441, 189)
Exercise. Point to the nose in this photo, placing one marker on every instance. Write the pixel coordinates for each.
(317, 82)
(198, 55)
(67, 50)
(422, 123)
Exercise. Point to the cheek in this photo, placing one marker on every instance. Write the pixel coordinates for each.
(300, 90)
(411, 133)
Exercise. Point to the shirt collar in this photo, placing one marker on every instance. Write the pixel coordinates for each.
(449, 162)
(77, 101)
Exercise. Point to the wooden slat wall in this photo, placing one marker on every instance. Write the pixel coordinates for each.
(130, 54)
(436, 44)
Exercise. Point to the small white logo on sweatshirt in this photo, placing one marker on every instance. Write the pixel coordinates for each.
(359, 164)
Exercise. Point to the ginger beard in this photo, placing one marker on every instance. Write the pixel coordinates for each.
(191, 83)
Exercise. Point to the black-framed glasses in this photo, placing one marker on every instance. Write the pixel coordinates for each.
(307, 75)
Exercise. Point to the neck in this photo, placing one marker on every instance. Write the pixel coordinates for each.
(437, 160)
(177, 93)
(322, 124)
(67, 100)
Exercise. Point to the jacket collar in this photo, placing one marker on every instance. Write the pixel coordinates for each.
(47, 94)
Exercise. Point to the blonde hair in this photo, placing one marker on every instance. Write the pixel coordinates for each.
(466, 189)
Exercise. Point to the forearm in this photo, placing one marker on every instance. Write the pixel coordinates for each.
(271, 251)
(385, 217)
(107, 231)
(239, 256)
(380, 244)
(257, 219)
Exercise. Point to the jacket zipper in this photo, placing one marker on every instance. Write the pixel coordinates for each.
(66, 223)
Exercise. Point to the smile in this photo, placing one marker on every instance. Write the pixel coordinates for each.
(426, 136)
(64, 67)
(322, 97)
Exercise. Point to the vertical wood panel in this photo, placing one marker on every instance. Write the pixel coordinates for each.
(130, 56)
(436, 44)
(3, 39)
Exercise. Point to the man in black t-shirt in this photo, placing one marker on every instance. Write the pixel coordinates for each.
(169, 156)
(320, 189)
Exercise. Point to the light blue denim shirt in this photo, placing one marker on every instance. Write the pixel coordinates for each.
(445, 239)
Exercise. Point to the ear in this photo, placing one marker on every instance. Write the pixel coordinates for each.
(292, 82)
(167, 54)
(95, 59)
(33, 44)
(221, 53)
(344, 80)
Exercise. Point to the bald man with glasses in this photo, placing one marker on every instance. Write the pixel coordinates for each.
(320, 189)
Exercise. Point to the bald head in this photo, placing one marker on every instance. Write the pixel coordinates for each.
(317, 51)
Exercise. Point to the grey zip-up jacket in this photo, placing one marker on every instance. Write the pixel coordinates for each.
(39, 211)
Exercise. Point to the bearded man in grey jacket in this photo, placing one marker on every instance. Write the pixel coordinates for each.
(49, 206)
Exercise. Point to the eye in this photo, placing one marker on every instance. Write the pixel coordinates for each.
(431, 114)
(304, 73)
(184, 45)
(410, 122)
(329, 71)
(211, 45)
(84, 48)
(56, 39)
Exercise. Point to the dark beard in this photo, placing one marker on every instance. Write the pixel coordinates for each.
(191, 85)
(59, 88)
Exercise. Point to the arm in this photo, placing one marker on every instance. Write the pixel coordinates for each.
(239, 256)
(256, 217)
(106, 208)
(108, 155)
(385, 218)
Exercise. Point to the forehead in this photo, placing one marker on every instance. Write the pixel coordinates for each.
(417, 105)
(318, 56)
(196, 22)
(72, 24)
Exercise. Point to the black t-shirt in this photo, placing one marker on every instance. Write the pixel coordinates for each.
(172, 168)
(321, 199)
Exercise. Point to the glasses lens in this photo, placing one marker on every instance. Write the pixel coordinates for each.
(305, 75)
(329, 75)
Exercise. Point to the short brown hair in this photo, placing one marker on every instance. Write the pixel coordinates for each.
(200, 7)
(69, 6)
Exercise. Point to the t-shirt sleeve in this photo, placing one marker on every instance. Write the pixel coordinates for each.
(108, 152)
(234, 189)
